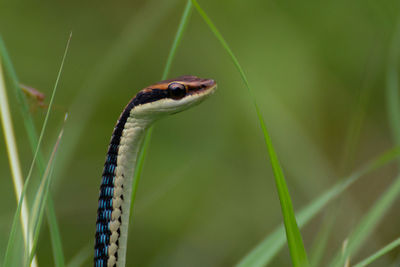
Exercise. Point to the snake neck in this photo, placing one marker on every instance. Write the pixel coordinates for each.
(116, 189)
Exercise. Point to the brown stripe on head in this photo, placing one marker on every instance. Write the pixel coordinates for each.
(191, 83)
(174, 89)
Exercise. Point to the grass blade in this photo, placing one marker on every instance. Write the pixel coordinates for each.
(14, 164)
(263, 253)
(386, 249)
(143, 151)
(57, 249)
(41, 196)
(295, 242)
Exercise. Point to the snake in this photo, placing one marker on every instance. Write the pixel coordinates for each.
(146, 107)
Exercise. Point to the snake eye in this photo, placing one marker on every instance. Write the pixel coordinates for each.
(176, 90)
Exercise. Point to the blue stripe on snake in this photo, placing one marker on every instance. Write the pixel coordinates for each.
(105, 208)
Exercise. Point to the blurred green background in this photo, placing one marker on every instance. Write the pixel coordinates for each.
(207, 195)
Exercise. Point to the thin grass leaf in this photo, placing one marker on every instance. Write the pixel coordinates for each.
(57, 248)
(143, 151)
(35, 156)
(295, 241)
(57, 251)
(41, 196)
(386, 249)
(14, 165)
(263, 253)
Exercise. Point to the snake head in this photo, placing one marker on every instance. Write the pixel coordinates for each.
(171, 96)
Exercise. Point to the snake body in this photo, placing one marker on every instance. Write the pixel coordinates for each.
(150, 104)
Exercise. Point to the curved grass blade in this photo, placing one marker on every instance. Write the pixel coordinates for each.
(386, 249)
(295, 242)
(263, 253)
(14, 165)
(143, 151)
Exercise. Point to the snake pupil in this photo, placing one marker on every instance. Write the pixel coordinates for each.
(176, 90)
